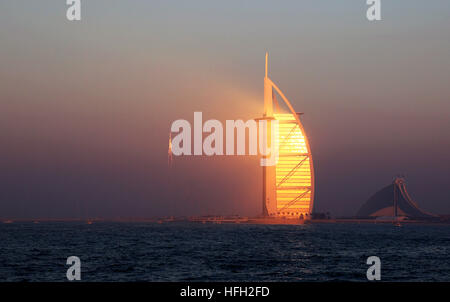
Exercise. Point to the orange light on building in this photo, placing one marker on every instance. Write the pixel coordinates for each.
(288, 187)
(293, 171)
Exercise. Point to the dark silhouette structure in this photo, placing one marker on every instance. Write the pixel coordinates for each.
(393, 200)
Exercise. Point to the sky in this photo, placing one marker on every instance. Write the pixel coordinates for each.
(86, 106)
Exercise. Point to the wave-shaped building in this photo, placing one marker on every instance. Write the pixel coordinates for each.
(392, 201)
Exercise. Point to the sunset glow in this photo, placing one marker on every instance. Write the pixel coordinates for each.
(288, 188)
(293, 170)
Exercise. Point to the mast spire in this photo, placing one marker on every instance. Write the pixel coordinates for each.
(267, 57)
(268, 102)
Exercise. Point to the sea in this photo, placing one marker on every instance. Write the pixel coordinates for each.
(187, 251)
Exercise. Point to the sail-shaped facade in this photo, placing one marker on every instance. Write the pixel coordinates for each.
(293, 169)
(288, 186)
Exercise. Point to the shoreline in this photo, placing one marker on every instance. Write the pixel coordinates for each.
(231, 220)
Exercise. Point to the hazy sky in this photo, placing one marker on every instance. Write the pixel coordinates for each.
(86, 107)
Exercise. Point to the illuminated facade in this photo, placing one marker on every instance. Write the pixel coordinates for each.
(288, 187)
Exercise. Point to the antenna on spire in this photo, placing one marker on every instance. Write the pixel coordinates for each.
(267, 57)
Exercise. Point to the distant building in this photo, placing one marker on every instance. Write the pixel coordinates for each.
(288, 187)
(392, 201)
